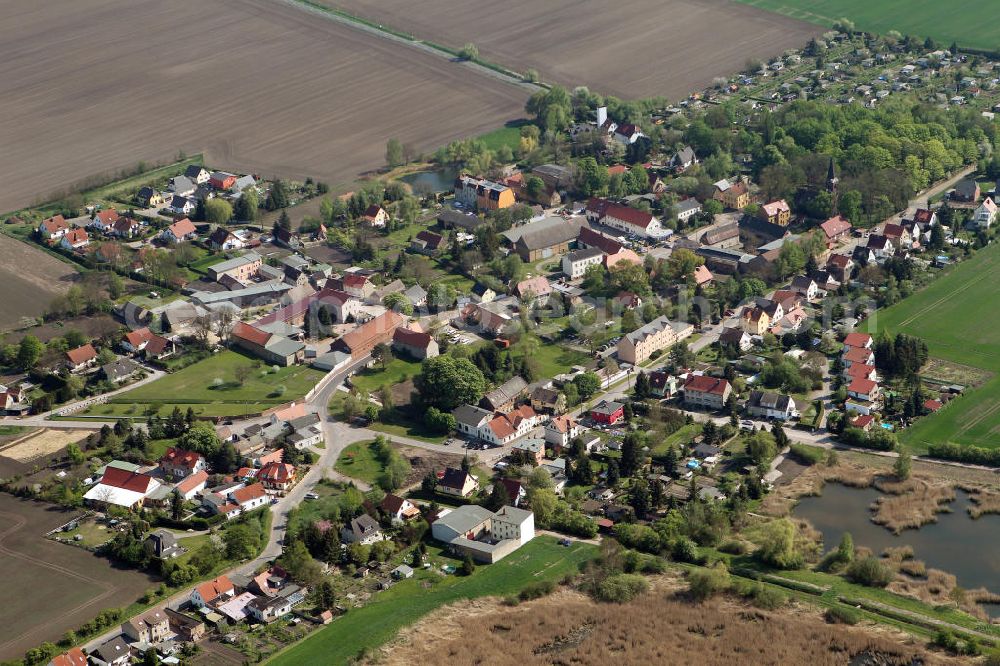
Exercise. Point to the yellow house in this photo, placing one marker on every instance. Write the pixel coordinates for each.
(732, 195)
(493, 196)
(776, 212)
(756, 321)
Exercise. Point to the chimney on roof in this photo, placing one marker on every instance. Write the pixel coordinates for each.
(602, 115)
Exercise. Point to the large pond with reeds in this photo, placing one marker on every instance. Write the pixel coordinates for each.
(965, 547)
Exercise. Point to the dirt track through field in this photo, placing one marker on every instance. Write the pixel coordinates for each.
(96, 85)
(629, 48)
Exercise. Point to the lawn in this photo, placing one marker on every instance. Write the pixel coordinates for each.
(679, 437)
(952, 317)
(396, 371)
(552, 359)
(405, 603)
(944, 21)
(358, 462)
(509, 135)
(212, 389)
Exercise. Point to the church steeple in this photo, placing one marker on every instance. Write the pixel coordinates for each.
(831, 179)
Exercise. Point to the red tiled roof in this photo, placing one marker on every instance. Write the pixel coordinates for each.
(244, 495)
(251, 334)
(775, 207)
(835, 226)
(862, 386)
(192, 482)
(563, 423)
(631, 216)
(702, 275)
(364, 338)
(618, 168)
(81, 354)
(72, 657)
(501, 427)
(276, 472)
(933, 405)
(892, 230)
(54, 224)
(923, 216)
(706, 384)
(126, 480)
(405, 336)
(107, 217)
(180, 458)
(860, 370)
(863, 421)
(136, 338)
(182, 228)
(157, 345)
(857, 355)
(214, 589)
(76, 236)
(856, 339)
(355, 280)
(373, 210)
(839, 260)
(604, 243)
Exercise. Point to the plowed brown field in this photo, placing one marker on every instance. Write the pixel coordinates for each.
(628, 48)
(91, 86)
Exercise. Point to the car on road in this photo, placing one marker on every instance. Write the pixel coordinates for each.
(747, 424)
(312, 496)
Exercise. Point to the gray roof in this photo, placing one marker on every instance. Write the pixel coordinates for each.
(465, 518)
(415, 293)
(661, 323)
(471, 415)
(283, 346)
(244, 182)
(235, 262)
(768, 400)
(182, 184)
(688, 204)
(580, 255)
(506, 392)
(263, 289)
(555, 226)
(121, 368)
(513, 514)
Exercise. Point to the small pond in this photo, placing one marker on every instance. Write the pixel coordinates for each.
(956, 543)
(425, 182)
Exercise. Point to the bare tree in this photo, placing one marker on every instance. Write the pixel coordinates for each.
(202, 329)
(224, 323)
(242, 373)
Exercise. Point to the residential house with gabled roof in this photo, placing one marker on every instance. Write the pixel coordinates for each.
(151, 627)
(835, 229)
(860, 355)
(53, 227)
(149, 197)
(532, 290)
(224, 240)
(856, 339)
(683, 159)
(687, 209)
(375, 216)
(74, 239)
(624, 255)
(181, 205)
(776, 212)
(212, 592)
(277, 476)
(725, 236)
(398, 509)
(357, 285)
(271, 347)
(427, 242)
(560, 431)
(364, 530)
(502, 398)
(179, 463)
(627, 219)
(221, 180)
(481, 194)
(756, 321)
(966, 191)
(126, 227)
(182, 186)
(115, 652)
(707, 392)
(416, 344)
(607, 412)
(81, 357)
(737, 337)
(72, 657)
(103, 220)
(589, 238)
(545, 399)
(197, 174)
(136, 341)
(732, 195)
(880, 246)
(864, 389)
(181, 230)
(576, 263)
(456, 482)
(985, 215)
(470, 420)
(841, 266)
(192, 485)
(120, 487)
(806, 286)
(769, 405)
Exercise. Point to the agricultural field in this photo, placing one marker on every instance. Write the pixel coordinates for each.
(261, 80)
(946, 22)
(31, 278)
(406, 602)
(631, 49)
(212, 388)
(56, 587)
(34, 449)
(953, 315)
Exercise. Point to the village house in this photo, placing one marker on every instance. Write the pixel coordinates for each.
(126, 227)
(687, 209)
(549, 400)
(966, 191)
(863, 389)
(481, 194)
(162, 545)
(398, 509)
(81, 358)
(607, 412)
(576, 263)
(560, 431)
(151, 627)
(623, 218)
(181, 205)
(776, 212)
(708, 392)
(212, 592)
(722, 237)
(756, 320)
(179, 464)
(806, 286)
(533, 290)
(456, 482)
(985, 215)
(852, 355)
(72, 657)
(269, 609)
(636, 347)
(53, 227)
(221, 180)
(427, 242)
(732, 195)
(364, 530)
(224, 240)
(768, 405)
(503, 398)
(530, 449)
(115, 652)
(277, 476)
(270, 347)
(180, 231)
(380, 330)
(835, 229)
(104, 220)
(662, 384)
(74, 239)
(120, 487)
(549, 237)
(737, 337)
(240, 268)
(415, 344)
(198, 175)
(149, 197)
(841, 266)
(682, 160)
(375, 216)
(470, 420)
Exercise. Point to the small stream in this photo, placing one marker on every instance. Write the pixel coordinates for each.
(967, 548)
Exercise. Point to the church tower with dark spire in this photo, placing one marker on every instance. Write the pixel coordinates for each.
(832, 180)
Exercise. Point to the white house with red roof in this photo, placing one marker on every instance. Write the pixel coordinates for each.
(179, 463)
(399, 509)
(835, 229)
(860, 355)
(277, 476)
(856, 339)
(705, 391)
(53, 227)
(416, 344)
(181, 230)
(104, 220)
(624, 218)
(81, 357)
(213, 592)
(74, 239)
(136, 341)
(192, 485)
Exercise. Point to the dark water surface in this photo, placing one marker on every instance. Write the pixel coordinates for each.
(441, 180)
(967, 548)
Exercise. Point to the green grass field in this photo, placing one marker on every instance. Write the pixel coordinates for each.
(358, 462)
(509, 135)
(408, 601)
(956, 317)
(196, 386)
(397, 371)
(943, 21)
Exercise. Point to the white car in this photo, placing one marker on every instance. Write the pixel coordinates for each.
(747, 424)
